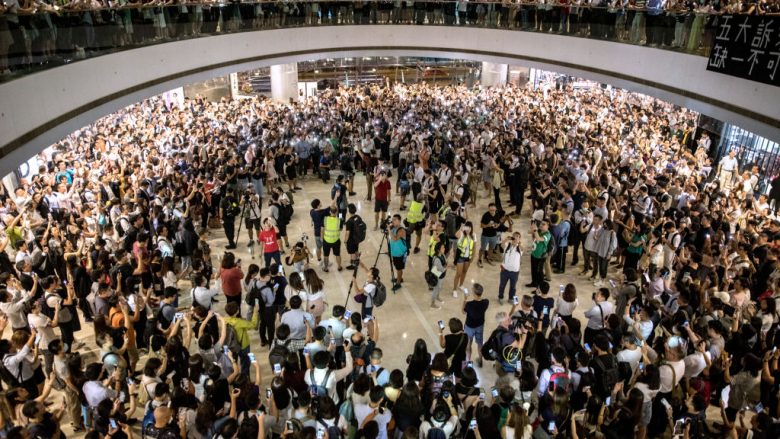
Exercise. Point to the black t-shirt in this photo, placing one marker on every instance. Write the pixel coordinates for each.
(350, 226)
(487, 218)
(475, 312)
(455, 350)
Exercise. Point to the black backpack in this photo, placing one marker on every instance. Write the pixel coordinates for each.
(359, 229)
(578, 396)
(278, 354)
(466, 193)
(491, 349)
(247, 426)
(285, 214)
(610, 375)
(9, 378)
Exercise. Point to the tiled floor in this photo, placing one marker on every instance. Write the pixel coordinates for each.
(406, 316)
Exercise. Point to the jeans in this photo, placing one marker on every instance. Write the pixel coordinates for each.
(505, 277)
(560, 259)
(275, 256)
(600, 267)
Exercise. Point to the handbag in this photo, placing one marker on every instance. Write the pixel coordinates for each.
(360, 298)
(431, 278)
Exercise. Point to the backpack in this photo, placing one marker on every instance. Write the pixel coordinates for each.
(179, 248)
(8, 377)
(380, 293)
(552, 247)
(491, 349)
(559, 379)
(247, 425)
(45, 308)
(161, 319)
(609, 377)
(466, 192)
(579, 397)
(436, 433)
(451, 221)
(279, 353)
(360, 229)
(285, 214)
(319, 390)
(231, 340)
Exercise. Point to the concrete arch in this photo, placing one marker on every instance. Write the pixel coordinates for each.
(40, 108)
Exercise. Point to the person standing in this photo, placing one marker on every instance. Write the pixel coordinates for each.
(464, 254)
(475, 307)
(331, 238)
(381, 198)
(398, 249)
(489, 239)
(269, 243)
(368, 289)
(541, 237)
(510, 266)
(597, 314)
(229, 210)
(561, 234)
(318, 222)
(415, 220)
(589, 247)
(439, 269)
(583, 218)
(727, 168)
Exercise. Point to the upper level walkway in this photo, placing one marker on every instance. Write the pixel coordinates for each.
(69, 68)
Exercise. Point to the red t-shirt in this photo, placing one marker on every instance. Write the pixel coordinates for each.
(231, 281)
(268, 238)
(381, 190)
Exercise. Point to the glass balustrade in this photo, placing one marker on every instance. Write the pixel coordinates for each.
(47, 36)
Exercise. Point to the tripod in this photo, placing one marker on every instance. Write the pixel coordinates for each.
(384, 244)
(247, 202)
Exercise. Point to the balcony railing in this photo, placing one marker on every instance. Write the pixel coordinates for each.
(39, 38)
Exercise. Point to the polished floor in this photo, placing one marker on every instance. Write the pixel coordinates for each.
(406, 316)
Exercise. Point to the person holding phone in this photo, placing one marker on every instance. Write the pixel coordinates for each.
(454, 345)
(510, 265)
(269, 242)
(368, 289)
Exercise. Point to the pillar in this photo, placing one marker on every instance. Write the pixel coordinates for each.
(284, 82)
(493, 74)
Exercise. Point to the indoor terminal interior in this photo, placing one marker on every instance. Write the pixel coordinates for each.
(389, 219)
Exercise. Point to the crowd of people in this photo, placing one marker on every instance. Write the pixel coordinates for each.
(116, 230)
(41, 32)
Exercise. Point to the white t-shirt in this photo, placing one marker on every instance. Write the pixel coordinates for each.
(667, 383)
(41, 323)
(631, 357)
(695, 364)
(382, 419)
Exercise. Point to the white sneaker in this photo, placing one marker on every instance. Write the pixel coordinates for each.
(455, 293)
(598, 284)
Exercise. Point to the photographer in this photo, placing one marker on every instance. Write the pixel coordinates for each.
(228, 210)
(368, 289)
(398, 249)
(250, 203)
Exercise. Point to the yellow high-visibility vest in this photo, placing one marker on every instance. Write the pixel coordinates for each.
(331, 232)
(466, 247)
(415, 213)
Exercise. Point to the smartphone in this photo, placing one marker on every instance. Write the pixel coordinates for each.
(641, 366)
(473, 424)
(545, 310)
(465, 291)
(321, 432)
(281, 269)
(666, 403)
(519, 366)
(178, 316)
(587, 347)
(612, 283)
(277, 369)
(759, 408)
(441, 324)
(515, 300)
(494, 392)
(551, 426)
(347, 314)
(445, 394)
(290, 426)
(679, 427)
(561, 287)
(774, 349)
(470, 364)
(252, 358)
(122, 397)
(333, 341)
(130, 381)
(113, 423)
(225, 350)
(609, 401)
(268, 393)
(481, 396)
(37, 339)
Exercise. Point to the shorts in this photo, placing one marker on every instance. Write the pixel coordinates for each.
(250, 223)
(352, 247)
(336, 247)
(380, 206)
(282, 230)
(474, 334)
(461, 260)
(488, 242)
(399, 262)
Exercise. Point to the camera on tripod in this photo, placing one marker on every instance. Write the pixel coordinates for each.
(386, 223)
(248, 192)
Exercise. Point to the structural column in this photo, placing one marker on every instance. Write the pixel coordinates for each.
(493, 74)
(284, 82)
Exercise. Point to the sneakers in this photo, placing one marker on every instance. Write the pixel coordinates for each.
(455, 293)
(250, 243)
(396, 286)
(435, 306)
(350, 267)
(416, 250)
(500, 301)
(479, 263)
(599, 283)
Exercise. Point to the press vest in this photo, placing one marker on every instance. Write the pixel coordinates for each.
(331, 232)
(466, 247)
(415, 213)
